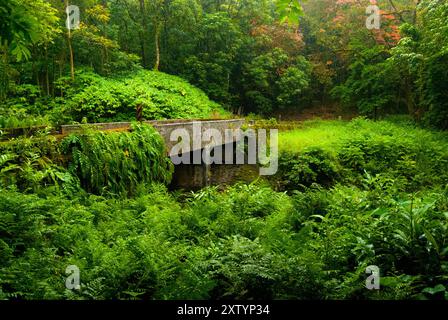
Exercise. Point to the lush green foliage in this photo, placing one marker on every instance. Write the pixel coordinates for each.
(352, 203)
(25, 108)
(101, 163)
(137, 248)
(423, 58)
(92, 98)
(247, 55)
(347, 194)
(246, 243)
(162, 97)
(210, 43)
(372, 84)
(272, 80)
(330, 152)
(302, 170)
(118, 162)
(407, 77)
(24, 23)
(30, 164)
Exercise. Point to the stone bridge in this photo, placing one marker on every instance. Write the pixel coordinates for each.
(165, 128)
(192, 176)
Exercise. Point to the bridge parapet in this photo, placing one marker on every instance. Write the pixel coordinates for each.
(166, 128)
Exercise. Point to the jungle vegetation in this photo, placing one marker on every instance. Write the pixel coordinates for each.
(372, 190)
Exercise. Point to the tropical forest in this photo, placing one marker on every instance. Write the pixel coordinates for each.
(352, 96)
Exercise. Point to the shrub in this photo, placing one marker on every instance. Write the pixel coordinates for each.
(118, 162)
(33, 164)
(162, 96)
(313, 166)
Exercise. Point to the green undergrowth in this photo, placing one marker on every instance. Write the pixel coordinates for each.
(326, 152)
(248, 242)
(365, 193)
(93, 98)
(112, 163)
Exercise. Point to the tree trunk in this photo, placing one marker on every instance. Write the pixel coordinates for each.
(70, 48)
(53, 75)
(157, 46)
(47, 76)
(142, 33)
(34, 71)
(409, 97)
(4, 78)
(72, 61)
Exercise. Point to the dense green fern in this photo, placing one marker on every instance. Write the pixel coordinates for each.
(118, 162)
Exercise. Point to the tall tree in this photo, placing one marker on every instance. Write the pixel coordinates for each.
(144, 28)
